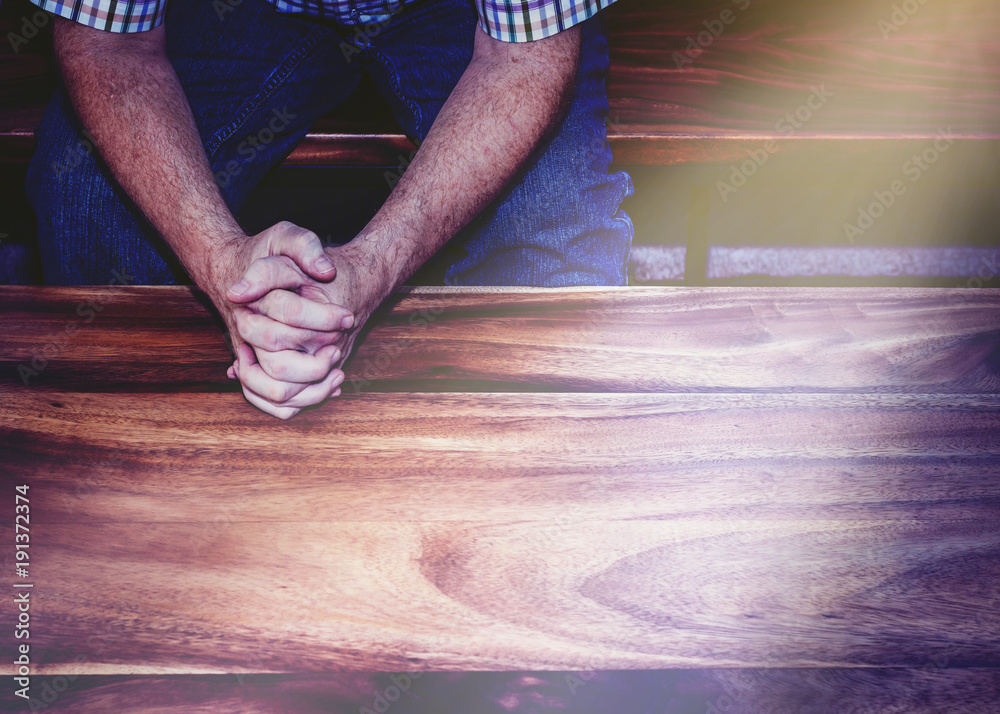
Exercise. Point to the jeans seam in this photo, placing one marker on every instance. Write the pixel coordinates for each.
(393, 78)
(266, 91)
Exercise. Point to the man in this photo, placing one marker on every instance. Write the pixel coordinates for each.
(187, 112)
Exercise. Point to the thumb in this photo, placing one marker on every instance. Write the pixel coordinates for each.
(264, 275)
(304, 247)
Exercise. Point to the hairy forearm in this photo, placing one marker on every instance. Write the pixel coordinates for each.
(129, 98)
(507, 100)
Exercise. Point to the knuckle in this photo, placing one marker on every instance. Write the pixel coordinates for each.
(306, 237)
(331, 318)
(283, 264)
(277, 370)
(257, 272)
(329, 338)
(267, 305)
(316, 371)
(276, 393)
(274, 269)
(242, 325)
(269, 339)
(248, 323)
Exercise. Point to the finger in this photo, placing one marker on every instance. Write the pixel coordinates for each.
(313, 394)
(280, 412)
(296, 311)
(231, 372)
(265, 275)
(268, 334)
(279, 393)
(298, 367)
(304, 247)
(254, 378)
(265, 406)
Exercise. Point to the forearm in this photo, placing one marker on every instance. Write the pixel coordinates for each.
(129, 98)
(507, 100)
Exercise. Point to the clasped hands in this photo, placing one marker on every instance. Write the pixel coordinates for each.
(293, 309)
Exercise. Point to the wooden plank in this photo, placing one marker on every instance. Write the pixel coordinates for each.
(939, 70)
(959, 21)
(773, 51)
(458, 532)
(452, 596)
(385, 457)
(718, 148)
(630, 146)
(927, 690)
(650, 339)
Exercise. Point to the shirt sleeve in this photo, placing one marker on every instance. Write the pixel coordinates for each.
(109, 15)
(528, 20)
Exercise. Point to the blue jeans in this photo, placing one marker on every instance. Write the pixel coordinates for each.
(257, 80)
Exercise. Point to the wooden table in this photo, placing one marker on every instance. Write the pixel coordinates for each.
(777, 498)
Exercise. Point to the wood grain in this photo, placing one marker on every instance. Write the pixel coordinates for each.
(648, 339)
(794, 491)
(938, 70)
(453, 596)
(458, 532)
(790, 494)
(959, 22)
(476, 457)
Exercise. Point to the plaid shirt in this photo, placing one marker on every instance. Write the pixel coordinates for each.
(504, 20)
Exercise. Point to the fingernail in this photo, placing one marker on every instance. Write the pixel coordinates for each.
(338, 380)
(347, 322)
(239, 288)
(323, 264)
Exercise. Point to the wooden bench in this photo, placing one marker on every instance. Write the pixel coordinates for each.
(781, 498)
(689, 108)
(674, 105)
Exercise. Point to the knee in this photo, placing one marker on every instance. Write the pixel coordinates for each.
(63, 155)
